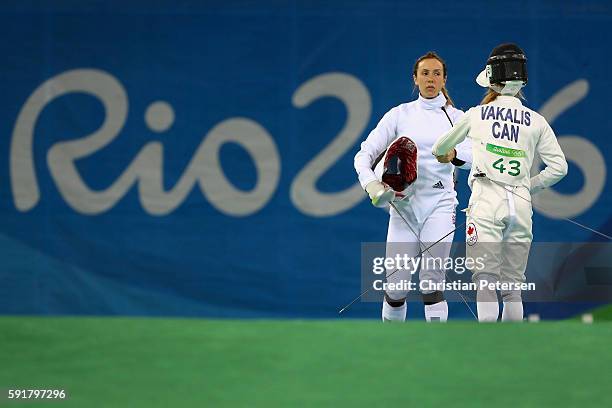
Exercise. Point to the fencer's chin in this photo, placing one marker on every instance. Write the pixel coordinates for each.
(482, 79)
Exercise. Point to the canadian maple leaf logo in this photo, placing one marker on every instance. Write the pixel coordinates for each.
(470, 230)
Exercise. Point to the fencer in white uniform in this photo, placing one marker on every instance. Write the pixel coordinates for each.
(429, 203)
(505, 136)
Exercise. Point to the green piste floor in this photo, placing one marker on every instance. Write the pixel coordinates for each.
(129, 362)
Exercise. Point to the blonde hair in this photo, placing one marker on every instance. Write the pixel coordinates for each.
(428, 55)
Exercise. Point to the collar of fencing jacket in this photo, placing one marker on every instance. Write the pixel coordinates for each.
(508, 100)
(433, 103)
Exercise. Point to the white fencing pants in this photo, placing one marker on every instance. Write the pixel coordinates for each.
(402, 239)
(498, 231)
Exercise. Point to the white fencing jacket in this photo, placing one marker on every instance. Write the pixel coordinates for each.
(423, 121)
(505, 136)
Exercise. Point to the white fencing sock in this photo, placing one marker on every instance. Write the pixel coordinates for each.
(487, 311)
(513, 312)
(486, 301)
(393, 314)
(438, 312)
(513, 306)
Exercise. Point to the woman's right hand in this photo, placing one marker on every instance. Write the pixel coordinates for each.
(380, 193)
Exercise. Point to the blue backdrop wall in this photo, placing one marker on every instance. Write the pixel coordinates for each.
(195, 158)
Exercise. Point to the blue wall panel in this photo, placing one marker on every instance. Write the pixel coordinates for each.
(256, 92)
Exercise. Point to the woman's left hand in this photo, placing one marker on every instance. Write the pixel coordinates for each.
(448, 157)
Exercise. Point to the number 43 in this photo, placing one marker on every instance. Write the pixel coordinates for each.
(515, 167)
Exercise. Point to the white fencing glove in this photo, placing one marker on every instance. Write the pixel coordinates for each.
(380, 193)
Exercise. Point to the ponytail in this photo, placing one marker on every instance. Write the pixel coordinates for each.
(490, 96)
(449, 101)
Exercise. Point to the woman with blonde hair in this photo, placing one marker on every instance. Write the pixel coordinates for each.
(505, 137)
